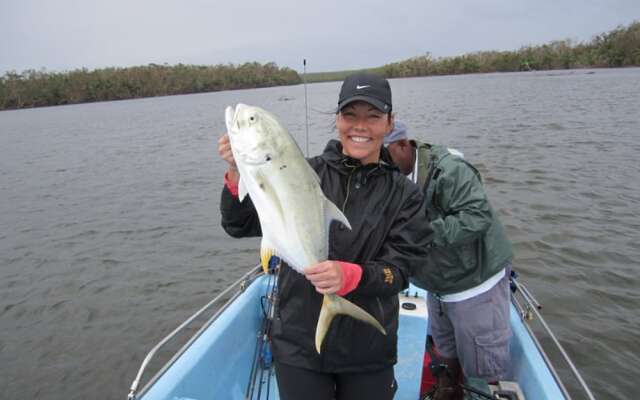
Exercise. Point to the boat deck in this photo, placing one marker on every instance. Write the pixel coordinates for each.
(217, 365)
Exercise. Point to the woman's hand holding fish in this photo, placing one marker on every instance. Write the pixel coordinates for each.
(326, 276)
(224, 149)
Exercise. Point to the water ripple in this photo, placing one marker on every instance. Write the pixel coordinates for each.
(113, 231)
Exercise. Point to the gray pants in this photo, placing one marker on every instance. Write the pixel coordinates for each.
(477, 331)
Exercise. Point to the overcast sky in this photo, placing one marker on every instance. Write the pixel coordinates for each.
(332, 35)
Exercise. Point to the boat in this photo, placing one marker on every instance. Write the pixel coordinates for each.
(229, 356)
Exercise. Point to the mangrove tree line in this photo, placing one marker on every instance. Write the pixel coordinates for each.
(40, 88)
(617, 48)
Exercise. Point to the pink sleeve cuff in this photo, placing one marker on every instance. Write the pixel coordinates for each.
(233, 187)
(351, 275)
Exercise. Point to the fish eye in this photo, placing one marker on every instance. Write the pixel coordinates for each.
(253, 118)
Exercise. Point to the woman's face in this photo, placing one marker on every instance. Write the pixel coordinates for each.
(362, 128)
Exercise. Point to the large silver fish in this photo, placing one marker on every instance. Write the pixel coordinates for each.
(293, 211)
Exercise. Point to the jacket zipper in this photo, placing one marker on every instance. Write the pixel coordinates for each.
(346, 198)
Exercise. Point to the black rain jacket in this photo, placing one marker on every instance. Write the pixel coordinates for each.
(390, 237)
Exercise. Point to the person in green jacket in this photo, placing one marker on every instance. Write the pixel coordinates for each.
(467, 275)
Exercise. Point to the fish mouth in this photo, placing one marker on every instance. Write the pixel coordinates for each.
(245, 153)
(230, 119)
(253, 161)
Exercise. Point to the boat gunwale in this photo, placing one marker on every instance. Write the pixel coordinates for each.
(242, 283)
(526, 316)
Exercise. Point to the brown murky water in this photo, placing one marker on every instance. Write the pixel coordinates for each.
(110, 225)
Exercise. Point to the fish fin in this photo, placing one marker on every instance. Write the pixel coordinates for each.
(242, 190)
(265, 256)
(333, 305)
(333, 213)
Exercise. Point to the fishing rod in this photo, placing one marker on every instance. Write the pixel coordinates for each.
(306, 104)
(262, 368)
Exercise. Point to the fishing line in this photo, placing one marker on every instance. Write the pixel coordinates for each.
(306, 104)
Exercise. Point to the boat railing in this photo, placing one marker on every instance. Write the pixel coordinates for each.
(528, 308)
(240, 285)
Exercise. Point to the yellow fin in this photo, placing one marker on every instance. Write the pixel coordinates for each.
(265, 256)
(333, 305)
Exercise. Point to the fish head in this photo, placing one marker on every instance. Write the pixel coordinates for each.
(256, 135)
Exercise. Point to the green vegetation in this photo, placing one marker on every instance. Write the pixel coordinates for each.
(39, 88)
(331, 76)
(617, 48)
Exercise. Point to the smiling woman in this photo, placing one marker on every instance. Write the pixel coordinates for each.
(362, 129)
(367, 264)
(364, 116)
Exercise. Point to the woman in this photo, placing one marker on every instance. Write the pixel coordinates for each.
(368, 264)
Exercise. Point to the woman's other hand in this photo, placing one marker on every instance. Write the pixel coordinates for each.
(327, 276)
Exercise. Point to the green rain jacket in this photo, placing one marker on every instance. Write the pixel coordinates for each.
(470, 244)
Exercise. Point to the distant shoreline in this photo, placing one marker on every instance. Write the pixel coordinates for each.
(617, 48)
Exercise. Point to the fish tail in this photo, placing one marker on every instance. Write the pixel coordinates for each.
(333, 305)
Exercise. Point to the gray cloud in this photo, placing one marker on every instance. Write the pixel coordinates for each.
(332, 35)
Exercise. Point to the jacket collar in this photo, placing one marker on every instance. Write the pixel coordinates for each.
(423, 152)
(334, 157)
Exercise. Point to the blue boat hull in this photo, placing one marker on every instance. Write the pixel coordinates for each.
(217, 365)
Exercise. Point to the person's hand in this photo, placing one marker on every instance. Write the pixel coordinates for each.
(224, 149)
(325, 276)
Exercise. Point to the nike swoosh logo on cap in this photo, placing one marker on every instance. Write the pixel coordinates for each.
(362, 87)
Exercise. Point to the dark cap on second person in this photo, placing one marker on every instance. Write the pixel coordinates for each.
(363, 86)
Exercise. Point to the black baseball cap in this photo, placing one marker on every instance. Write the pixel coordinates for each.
(363, 86)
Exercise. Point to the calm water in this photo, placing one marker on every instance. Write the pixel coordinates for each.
(110, 231)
